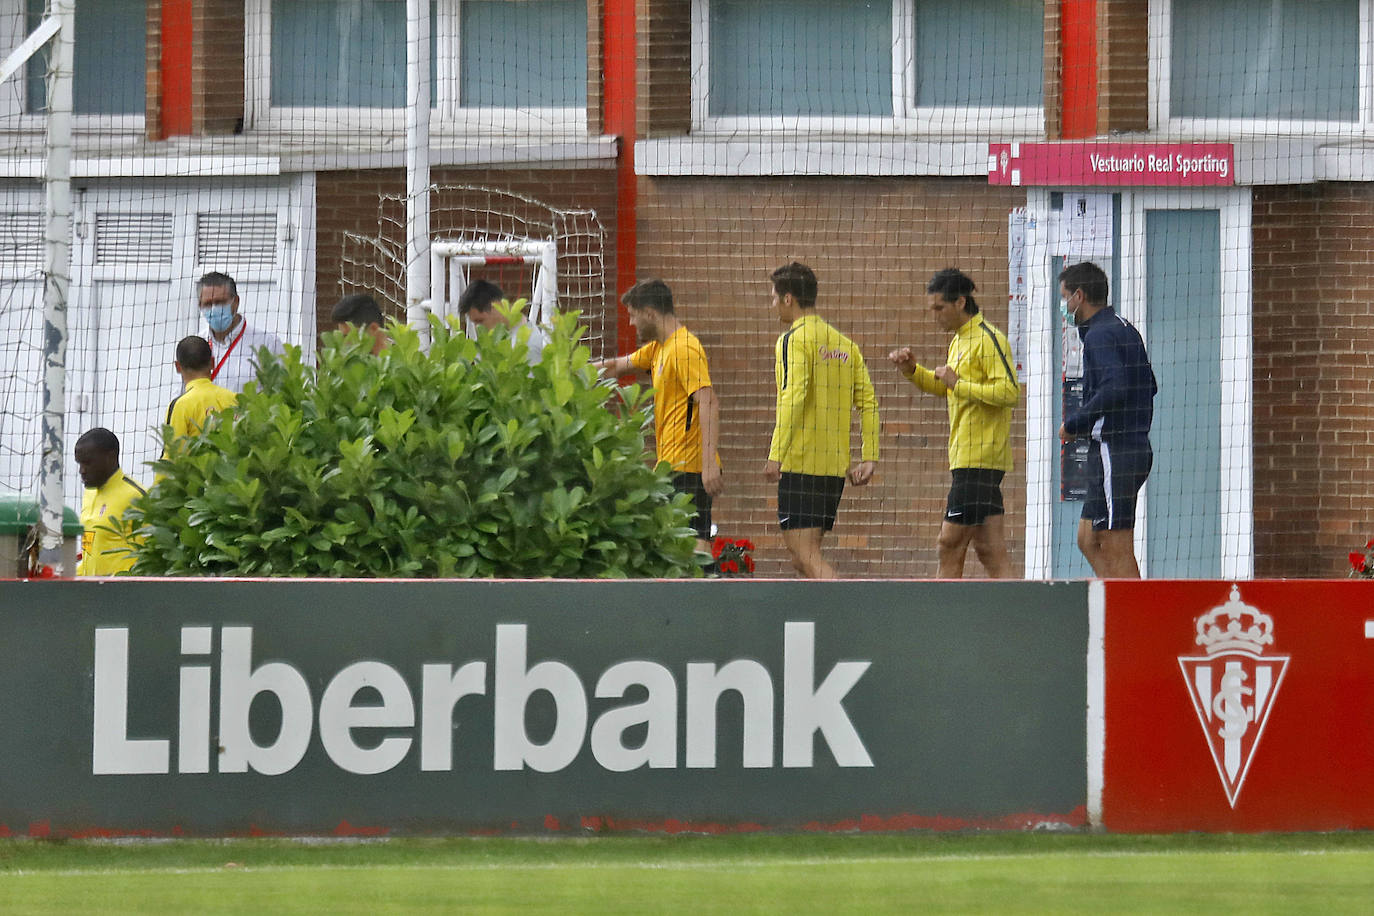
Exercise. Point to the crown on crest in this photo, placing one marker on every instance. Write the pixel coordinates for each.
(1235, 625)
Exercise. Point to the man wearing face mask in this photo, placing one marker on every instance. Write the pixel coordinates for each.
(233, 344)
(1118, 407)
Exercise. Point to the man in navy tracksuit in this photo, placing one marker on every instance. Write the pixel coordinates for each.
(1118, 406)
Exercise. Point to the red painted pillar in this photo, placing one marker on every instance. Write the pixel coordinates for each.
(618, 66)
(175, 67)
(1078, 65)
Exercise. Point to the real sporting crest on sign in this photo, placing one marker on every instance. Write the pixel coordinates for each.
(1233, 686)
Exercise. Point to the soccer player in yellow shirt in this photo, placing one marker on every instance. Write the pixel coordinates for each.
(686, 410)
(980, 388)
(200, 397)
(108, 494)
(821, 377)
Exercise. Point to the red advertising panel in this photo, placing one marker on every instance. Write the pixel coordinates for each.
(1112, 164)
(1239, 706)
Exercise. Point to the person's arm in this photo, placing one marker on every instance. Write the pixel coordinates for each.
(708, 410)
(613, 366)
(1000, 389)
(866, 402)
(1110, 391)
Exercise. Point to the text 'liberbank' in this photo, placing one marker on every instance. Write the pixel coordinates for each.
(807, 709)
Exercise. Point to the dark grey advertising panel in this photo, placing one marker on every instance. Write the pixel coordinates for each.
(220, 708)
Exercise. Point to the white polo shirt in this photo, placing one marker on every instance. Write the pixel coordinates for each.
(235, 360)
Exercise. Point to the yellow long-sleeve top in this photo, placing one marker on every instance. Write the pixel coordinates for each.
(980, 402)
(202, 397)
(100, 506)
(821, 377)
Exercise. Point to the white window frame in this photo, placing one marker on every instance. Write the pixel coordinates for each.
(14, 91)
(1161, 76)
(907, 116)
(447, 117)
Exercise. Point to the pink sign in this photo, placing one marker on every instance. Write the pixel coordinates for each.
(1091, 164)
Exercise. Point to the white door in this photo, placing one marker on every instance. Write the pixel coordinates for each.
(1180, 272)
(138, 249)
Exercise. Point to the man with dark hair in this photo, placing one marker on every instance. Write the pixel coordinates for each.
(1118, 408)
(821, 377)
(361, 311)
(233, 344)
(201, 397)
(686, 410)
(980, 389)
(108, 494)
(478, 305)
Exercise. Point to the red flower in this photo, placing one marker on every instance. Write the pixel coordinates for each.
(1357, 561)
(1368, 544)
(748, 562)
(717, 546)
(729, 566)
(749, 545)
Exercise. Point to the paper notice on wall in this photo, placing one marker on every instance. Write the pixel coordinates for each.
(1086, 228)
(1017, 301)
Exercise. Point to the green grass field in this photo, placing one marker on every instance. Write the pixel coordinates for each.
(1004, 873)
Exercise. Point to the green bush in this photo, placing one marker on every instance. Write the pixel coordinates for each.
(463, 461)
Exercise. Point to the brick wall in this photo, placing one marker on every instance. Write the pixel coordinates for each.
(1313, 377)
(217, 67)
(663, 92)
(1123, 56)
(874, 245)
(349, 201)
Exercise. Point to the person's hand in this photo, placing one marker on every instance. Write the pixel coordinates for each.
(947, 376)
(712, 480)
(1065, 435)
(903, 360)
(772, 471)
(861, 473)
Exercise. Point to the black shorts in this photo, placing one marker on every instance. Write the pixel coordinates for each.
(1116, 472)
(974, 495)
(808, 501)
(690, 483)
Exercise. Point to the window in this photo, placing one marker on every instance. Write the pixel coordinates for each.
(108, 77)
(949, 66)
(1237, 66)
(325, 63)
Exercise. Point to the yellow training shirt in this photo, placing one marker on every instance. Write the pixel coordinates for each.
(980, 402)
(101, 506)
(202, 397)
(678, 368)
(821, 377)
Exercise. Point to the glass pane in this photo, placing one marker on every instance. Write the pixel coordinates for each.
(110, 58)
(343, 53)
(801, 57)
(1278, 59)
(1183, 290)
(526, 54)
(980, 53)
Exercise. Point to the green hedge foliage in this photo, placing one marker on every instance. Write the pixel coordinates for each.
(464, 461)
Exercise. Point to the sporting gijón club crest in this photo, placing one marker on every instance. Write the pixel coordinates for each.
(1234, 685)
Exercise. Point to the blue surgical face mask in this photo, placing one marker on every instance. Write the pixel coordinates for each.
(1065, 313)
(220, 316)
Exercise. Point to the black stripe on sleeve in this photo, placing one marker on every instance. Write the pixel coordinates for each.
(998, 347)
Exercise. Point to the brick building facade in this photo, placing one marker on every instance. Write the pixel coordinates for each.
(692, 191)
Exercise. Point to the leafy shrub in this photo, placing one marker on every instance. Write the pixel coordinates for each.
(463, 461)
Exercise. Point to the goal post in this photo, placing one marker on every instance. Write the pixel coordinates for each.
(450, 260)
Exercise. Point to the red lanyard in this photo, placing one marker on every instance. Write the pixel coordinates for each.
(232, 344)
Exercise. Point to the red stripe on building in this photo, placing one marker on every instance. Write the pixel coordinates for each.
(1078, 66)
(618, 65)
(175, 67)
